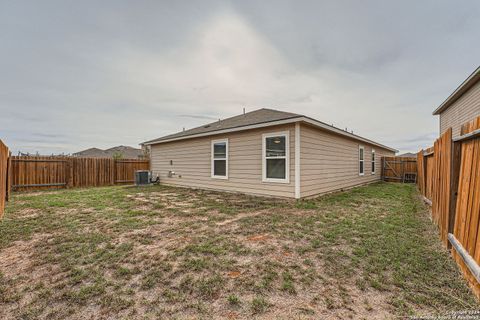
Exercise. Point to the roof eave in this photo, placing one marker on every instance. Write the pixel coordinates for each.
(305, 119)
(347, 134)
(217, 131)
(461, 89)
(220, 131)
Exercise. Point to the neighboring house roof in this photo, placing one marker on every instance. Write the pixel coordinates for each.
(125, 151)
(408, 155)
(256, 119)
(91, 152)
(467, 84)
(253, 117)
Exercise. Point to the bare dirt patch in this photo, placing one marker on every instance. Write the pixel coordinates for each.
(258, 238)
(29, 212)
(242, 216)
(17, 258)
(233, 274)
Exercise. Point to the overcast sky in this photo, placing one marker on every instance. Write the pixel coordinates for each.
(79, 74)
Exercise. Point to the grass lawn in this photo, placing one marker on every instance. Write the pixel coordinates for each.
(162, 252)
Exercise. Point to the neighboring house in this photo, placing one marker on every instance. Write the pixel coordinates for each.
(123, 152)
(267, 152)
(461, 106)
(90, 153)
(407, 155)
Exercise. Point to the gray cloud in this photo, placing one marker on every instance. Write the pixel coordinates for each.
(77, 74)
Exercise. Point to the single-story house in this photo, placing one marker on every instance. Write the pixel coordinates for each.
(461, 106)
(124, 152)
(267, 152)
(407, 155)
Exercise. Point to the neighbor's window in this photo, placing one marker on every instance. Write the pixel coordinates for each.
(275, 157)
(373, 161)
(220, 159)
(361, 160)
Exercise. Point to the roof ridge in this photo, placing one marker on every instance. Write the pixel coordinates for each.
(243, 121)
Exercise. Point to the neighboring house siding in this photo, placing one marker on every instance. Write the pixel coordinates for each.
(329, 162)
(192, 161)
(466, 108)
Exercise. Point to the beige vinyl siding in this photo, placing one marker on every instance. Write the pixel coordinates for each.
(192, 163)
(466, 108)
(330, 162)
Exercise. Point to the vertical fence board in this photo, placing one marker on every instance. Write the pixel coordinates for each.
(474, 204)
(429, 176)
(421, 172)
(9, 177)
(454, 183)
(4, 158)
(441, 183)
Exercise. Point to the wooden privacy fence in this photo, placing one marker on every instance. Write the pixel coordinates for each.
(33, 173)
(435, 182)
(429, 162)
(466, 227)
(449, 176)
(399, 169)
(425, 166)
(4, 176)
(440, 183)
(421, 172)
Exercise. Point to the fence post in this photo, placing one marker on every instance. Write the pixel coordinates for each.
(425, 176)
(69, 173)
(67, 179)
(383, 168)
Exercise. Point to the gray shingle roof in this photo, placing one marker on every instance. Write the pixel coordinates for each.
(258, 117)
(247, 119)
(408, 155)
(126, 152)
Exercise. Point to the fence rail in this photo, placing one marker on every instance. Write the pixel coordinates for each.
(38, 173)
(449, 176)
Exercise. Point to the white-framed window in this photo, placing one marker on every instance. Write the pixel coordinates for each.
(276, 157)
(373, 161)
(219, 163)
(361, 160)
